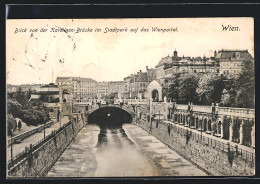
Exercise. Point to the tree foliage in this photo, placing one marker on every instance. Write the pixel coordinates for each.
(236, 91)
(30, 112)
(11, 124)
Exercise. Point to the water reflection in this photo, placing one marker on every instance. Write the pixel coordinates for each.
(112, 136)
(117, 155)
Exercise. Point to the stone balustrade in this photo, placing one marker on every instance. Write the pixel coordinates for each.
(241, 112)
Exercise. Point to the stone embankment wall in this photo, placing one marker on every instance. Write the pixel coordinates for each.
(214, 157)
(39, 158)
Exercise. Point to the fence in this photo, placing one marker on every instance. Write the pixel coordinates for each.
(35, 146)
(28, 133)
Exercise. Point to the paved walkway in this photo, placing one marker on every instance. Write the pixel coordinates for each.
(18, 148)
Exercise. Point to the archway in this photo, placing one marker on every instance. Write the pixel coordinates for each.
(109, 117)
(154, 90)
(209, 125)
(155, 95)
(196, 122)
(205, 125)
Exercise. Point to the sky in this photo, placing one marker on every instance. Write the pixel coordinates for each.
(39, 57)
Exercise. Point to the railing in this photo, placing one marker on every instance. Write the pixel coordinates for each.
(231, 111)
(29, 133)
(182, 107)
(136, 101)
(51, 104)
(19, 157)
(200, 108)
(243, 112)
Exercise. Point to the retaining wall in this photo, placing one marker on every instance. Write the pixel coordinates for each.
(214, 157)
(38, 159)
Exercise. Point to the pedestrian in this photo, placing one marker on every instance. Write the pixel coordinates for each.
(169, 129)
(19, 124)
(58, 115)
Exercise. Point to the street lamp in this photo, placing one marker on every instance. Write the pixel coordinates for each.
(159, 116)
(11, 144)
(44, 130)
(201, 130)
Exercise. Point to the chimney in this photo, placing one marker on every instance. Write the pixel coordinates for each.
(146, 68)
(140, 71)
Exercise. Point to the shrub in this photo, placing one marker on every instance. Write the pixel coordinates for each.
(11, 124)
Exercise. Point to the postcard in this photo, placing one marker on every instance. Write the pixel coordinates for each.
(130, 97)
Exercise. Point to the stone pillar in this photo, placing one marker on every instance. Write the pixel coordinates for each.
(221, 130)
(231, 130)
(253, 135)
(241, 132)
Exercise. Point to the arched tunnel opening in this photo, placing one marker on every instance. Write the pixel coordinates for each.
(109, 117)
(110, 121)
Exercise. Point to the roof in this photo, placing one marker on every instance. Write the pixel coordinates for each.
(116, 83)
(142, 77)
(51, 85)
(45, 93)
(228, 54)
(70, 79)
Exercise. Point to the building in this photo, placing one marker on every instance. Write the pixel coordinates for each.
(48, 93)
(168, 66)
(138, 83)
(116, 87)
(82, 87)
(231, 61)
(102, 89)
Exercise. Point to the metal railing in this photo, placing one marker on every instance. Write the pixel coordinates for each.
(19, 157)
(29, 133)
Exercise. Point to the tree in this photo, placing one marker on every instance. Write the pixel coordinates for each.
(245, 83)
(11, 124)
(210, 88)
(19, 124)
(187, 88)
(171, 91)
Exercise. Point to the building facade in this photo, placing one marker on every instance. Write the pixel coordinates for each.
(82, 87)
(116, 87)
(102, 89)
(138, 83)
(168, 66)
(231, 61)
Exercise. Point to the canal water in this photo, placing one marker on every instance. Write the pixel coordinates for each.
(120, 151)
(117, 155)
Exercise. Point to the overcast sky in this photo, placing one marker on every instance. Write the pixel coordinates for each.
(31, 58)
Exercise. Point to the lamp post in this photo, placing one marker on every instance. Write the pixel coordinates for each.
(201, 130)
(44, 130)
(11, 144)
(159, 116)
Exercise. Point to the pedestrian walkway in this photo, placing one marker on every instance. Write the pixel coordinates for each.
(18, 148)
(24, 128)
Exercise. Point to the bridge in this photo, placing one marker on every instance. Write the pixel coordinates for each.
(193, 131)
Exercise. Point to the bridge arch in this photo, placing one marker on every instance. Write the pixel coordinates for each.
(110, 116)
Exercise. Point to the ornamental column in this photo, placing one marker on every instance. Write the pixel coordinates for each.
(253, 135)
(241, 132)
(221, 130)
(231, 130)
